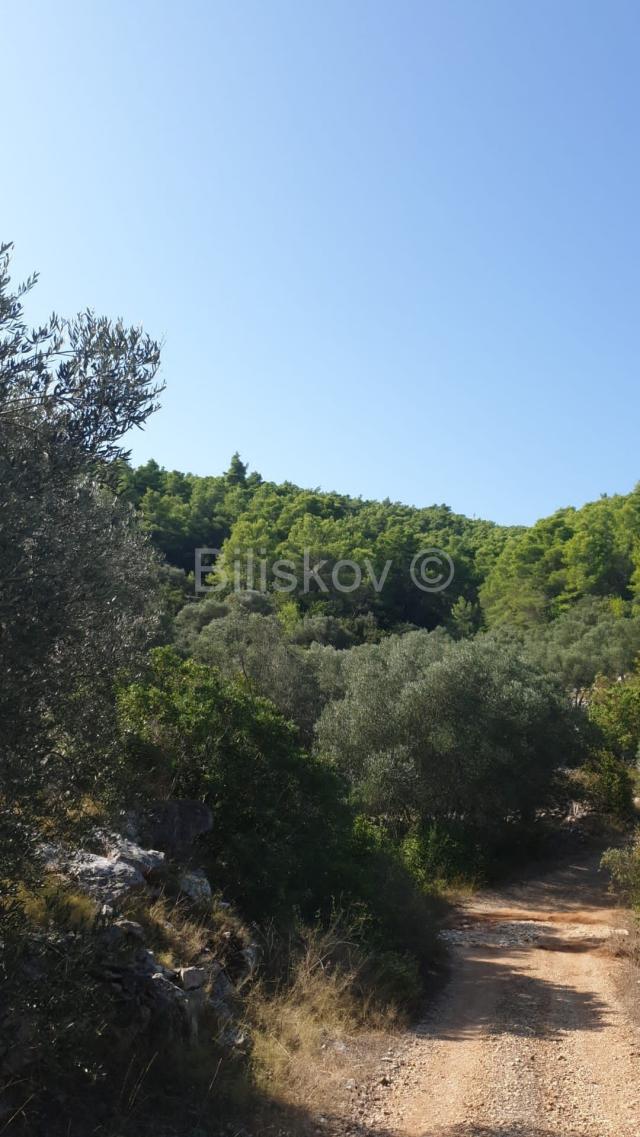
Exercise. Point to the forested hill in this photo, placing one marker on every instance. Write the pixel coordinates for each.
(521, 577)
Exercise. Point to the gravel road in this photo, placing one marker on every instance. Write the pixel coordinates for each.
(529, 1038)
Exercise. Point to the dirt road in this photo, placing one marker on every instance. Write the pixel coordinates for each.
(530, 1037)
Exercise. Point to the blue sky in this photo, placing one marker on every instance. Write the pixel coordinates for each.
(391, 248)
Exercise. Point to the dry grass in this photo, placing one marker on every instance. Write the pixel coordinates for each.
(181, 934)
(625, 948)
(308, 1034)
(177, 938)
(321, 1015)
(56, 905)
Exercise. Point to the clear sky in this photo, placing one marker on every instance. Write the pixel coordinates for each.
(391, 248)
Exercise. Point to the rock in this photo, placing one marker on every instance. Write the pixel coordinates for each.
(52, 856)
(162, 992)
(222, 990)
(195, 885)
(193, 977)
(130, 928)
(147, 964)
(222, 997)
(107, 876)
(195, 1002)
(102, 877)
(233, 1036)
(112, 937)
(117, 933)
(174, 825)
(146, 861)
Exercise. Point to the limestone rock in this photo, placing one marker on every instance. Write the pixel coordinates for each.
(146, 861)
(195, 885)
(131, 929)
(102, 877)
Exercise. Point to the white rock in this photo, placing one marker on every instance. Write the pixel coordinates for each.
(106, 876)
(103, 877)
(195, 885)
(145, 860)
(130, 928)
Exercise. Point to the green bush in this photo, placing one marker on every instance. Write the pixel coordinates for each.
(440, 853)
(624, 866)
(394, 980)
(608, 786)
(279, 816)
(402, 912)
(614, 707)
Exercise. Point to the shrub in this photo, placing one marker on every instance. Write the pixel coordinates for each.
(624, 866)
(335, 984)
(280, 820)
(607, 785)
(440, 853)
(614, 707)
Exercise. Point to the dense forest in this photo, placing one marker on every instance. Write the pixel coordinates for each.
(567, 588)
(524, 576)
(353, 752)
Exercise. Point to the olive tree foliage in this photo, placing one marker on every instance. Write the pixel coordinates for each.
(78, 597)
(431, 730)
(243, 638)
(599, 636)
(361, 729)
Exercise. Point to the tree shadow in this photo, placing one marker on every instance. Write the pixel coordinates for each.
(492, 996)
(301, 1124)
(579, 885)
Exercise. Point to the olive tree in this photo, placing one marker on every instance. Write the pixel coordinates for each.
(430, 730)
(78, 600)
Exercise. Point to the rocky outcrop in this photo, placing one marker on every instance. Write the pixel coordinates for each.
(108, 876)
(192, 978)
(144, 989)
(147, 991)
(147, 861)
(120, 933)
(102, 877)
